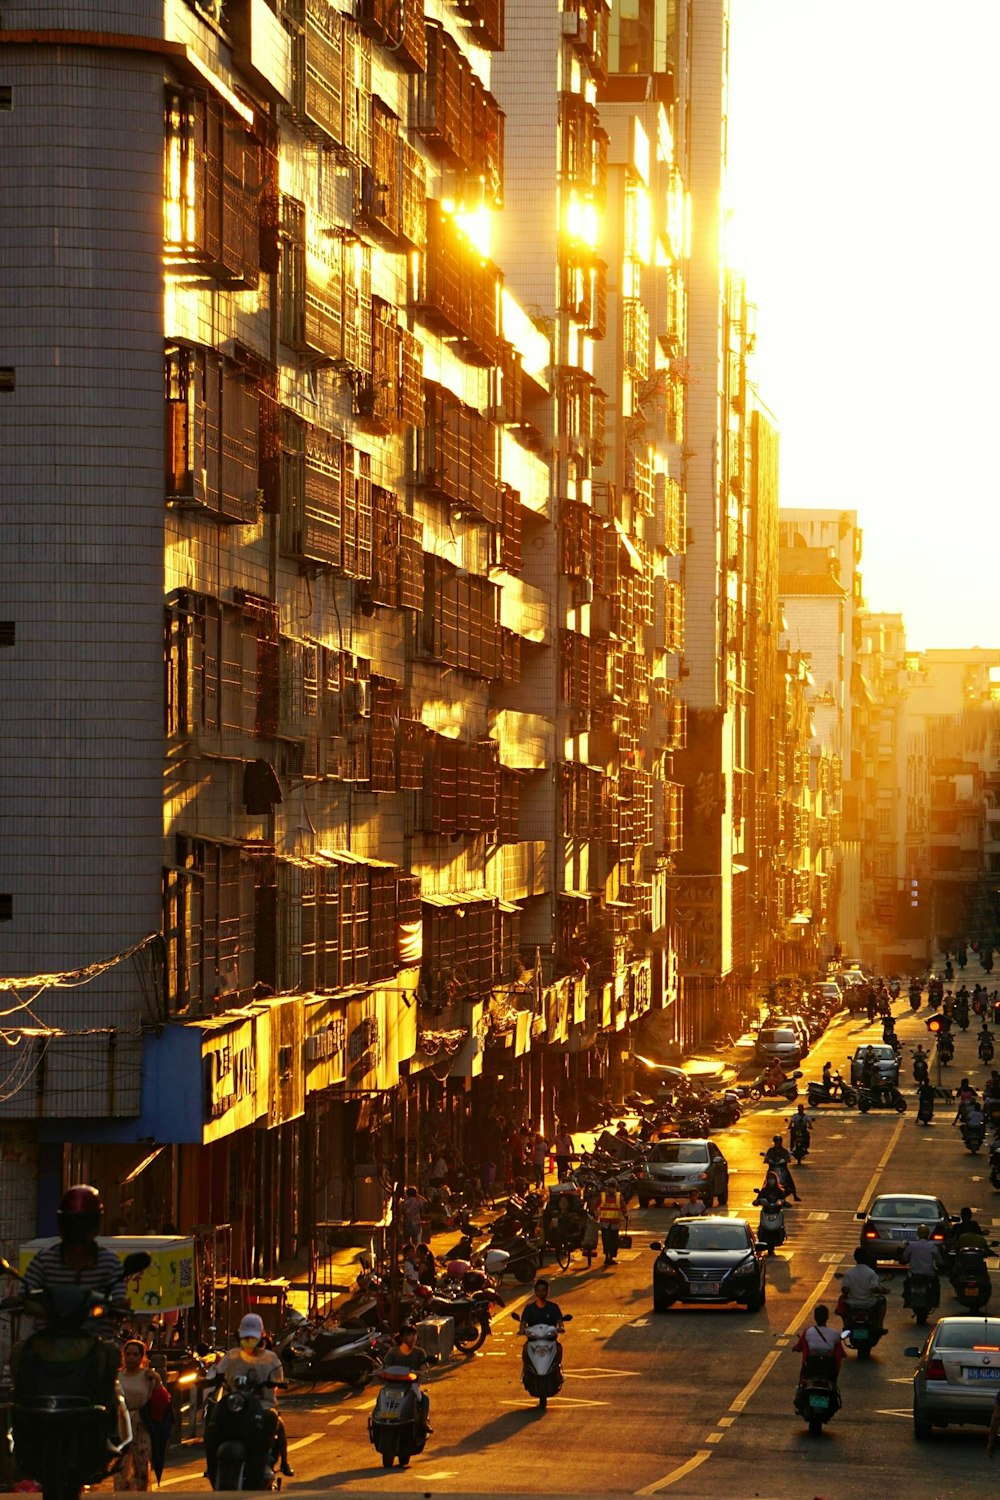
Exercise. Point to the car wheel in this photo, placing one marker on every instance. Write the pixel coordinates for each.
(724, 1194)
(662, 1303)
(643, 1202)
(756, 1302)
(922, 1428)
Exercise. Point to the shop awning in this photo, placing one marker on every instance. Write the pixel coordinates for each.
(456, 898)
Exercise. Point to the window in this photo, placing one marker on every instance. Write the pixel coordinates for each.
(6, 96)
(8, 632)
(8, 378)
(6, 908)
(213, 432)
(212, 188)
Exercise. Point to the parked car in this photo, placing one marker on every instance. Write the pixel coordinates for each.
(781, 1042)
(829, 990)
(671, 1169)
(893, 1220)
(886, 1062)
(958, 1377)
(710, 1259)
(799, 1025)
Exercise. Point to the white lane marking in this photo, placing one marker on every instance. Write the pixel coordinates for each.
(815, 1217)
(898, 1411)
(599, 1374)
(182, 1478)
(870, 1189)
(555, 1401)
(338, 1421)
(714, 1437)
(305, 1442)
(438, 1474)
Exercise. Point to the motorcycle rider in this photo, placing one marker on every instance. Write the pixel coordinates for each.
(775, 1077)
(832, 1081)
(770, 1194)
(967, 1097)
(869, 1069)
(408, 1355)
(77, 1259)
(800, 1127)
(925, 1101)
(820, 1339)
(779, 1158)
(969, 1228)
(861, 1288)
(920, 1071)
(610, 1215)
(253, 1356)
(923, 1258)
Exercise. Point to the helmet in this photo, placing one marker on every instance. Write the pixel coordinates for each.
(79, 1214)
(252, 1326)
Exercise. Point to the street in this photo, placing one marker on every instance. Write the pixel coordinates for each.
(697, 1401)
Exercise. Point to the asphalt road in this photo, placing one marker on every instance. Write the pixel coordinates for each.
(696, 1402)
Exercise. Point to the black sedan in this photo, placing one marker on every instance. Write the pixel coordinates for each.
(709, 1259)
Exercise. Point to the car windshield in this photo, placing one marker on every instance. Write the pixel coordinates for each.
(679, 1151)
(879, 1051)
(922, 1209)
(782, 1034)
(695, 1236)
(968, 1333)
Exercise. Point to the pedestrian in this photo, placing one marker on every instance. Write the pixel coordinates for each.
(437, 1176)
(610, 1216)
(412, 1205)
(563, 1151)
(693, 1207)
(539, 1156)
(139, 1384)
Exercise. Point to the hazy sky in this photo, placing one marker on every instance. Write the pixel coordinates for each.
(863, 139)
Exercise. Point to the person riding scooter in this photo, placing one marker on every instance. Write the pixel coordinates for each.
(408, 1355)
(799, 1129)
(779, 1158)
(832, 1082)
(253, 1356)
(920, 1071)
(77, 1259)
(861, 1289)
(922, 1258)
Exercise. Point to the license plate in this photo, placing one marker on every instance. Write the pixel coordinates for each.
(991, 1374)
(819, 1403)
(859, 1335)
(707, 1288)
(902, 1234)
(971, 1288)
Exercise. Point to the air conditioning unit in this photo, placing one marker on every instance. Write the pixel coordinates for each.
(583, 591)
(569, 22)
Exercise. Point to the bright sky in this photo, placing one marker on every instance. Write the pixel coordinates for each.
(863, 141)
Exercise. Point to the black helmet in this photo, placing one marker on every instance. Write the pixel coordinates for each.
(80, 1213)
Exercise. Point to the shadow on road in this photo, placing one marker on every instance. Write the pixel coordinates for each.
(501, 1428)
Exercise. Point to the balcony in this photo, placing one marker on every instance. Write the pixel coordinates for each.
(516, 872)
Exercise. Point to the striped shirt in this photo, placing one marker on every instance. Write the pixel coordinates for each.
(105, 1275)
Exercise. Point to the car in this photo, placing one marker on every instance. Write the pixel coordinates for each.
(893, 1219)
(830, 991)
(711, 1259)
(781, 1042)
(886, 1062)
(957, 1379)
(799, 1025)
(670, 1169)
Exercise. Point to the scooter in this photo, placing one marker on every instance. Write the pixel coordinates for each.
(970, 1279)
(839, 1093)
(240, 1435)
(925, 1112)
(471, 1312)
(396, 1426)
(920, 1072)
(973, 1137)
(883, 1096)
(522, 1257)
(541, 1364)
(789, 1089)
(921, 1298)
(311, 1351)
(945, 1048)
(70, 1425)
(798, 1142)
(862, 1329)
(995, 1162)
(817, 1397)
(771, 1227)
(986, 1049)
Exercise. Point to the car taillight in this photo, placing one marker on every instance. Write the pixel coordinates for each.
(937, 1236)
(935, 1370)
(871, 1234)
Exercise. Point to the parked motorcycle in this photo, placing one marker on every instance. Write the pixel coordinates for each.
(314, 1350)
(70, 1425)
(470, 1307)
(541, 1363)
(240, 1435)
(396, 1426)
(817, 1397)
(522, 1257)
(883, 1096)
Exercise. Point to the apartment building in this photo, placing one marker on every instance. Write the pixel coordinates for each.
(890, 938)
(338, 673)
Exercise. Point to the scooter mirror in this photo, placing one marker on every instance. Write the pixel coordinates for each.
(567, 1317)
(516, 1317)
(655, 1245)
(912, 1352)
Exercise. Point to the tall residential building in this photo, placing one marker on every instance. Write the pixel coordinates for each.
(950, 736)
(341, 635)
(888, 936)
(821, 597)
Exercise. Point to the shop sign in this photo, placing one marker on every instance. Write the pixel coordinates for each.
(231, 1078)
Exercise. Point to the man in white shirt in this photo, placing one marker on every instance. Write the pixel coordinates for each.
(861, 1288)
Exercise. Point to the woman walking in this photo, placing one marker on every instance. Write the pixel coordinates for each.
(138, 1382)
